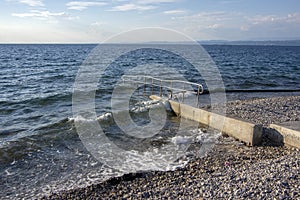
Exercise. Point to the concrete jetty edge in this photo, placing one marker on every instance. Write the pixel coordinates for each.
(247, 132)
(287, 133)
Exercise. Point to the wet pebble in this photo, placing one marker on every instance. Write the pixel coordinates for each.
(230, 171)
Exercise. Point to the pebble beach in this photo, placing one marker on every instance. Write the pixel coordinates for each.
(230, 171)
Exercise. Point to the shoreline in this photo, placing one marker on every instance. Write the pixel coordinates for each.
(230, 170)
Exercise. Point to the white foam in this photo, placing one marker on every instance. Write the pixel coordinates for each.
(197, 136)
(139, 107)
(105, 117)
(181, 140)
(180, 95)
(80, 118)
(145, 106)
(206, 137)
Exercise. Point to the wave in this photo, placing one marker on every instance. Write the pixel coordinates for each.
(45, 100)
(181, 140)
(61, 125)
(24, 143)
(196, 136)
(144, 106)
(104, 117)
(139, 107)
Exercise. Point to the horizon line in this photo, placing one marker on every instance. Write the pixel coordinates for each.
(163, 42)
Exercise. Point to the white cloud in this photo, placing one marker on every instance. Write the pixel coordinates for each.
(140, 5)
(293, 17)
(174, 12)
(271, 26)
(244, 28)
(98, 23)
(209, 16)
(230, 1)
(81, 5)
(130, 7)
(261, 19)
(24, 33)
(208, 25)
(214, 26)
(38, 13)
(32, 2)
(71, 18)
(155, 1)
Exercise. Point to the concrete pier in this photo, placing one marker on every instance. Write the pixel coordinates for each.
(287, 133)
(246, 132)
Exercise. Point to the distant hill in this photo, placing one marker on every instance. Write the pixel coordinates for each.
(267, 43)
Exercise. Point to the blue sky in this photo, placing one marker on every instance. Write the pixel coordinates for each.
(92, 21)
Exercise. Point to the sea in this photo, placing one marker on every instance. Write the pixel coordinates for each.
(41, 149)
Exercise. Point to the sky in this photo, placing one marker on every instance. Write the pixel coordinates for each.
(92, 21)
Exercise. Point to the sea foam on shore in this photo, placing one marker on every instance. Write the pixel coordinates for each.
(231, 170)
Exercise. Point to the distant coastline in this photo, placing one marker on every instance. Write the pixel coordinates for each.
(202, 42)
(252, 42)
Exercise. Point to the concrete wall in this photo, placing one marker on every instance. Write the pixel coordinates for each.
(288, 133)
(244, 131)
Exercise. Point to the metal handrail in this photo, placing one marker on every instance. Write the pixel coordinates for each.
(143, 80)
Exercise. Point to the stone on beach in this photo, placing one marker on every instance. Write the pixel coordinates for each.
(230, 171)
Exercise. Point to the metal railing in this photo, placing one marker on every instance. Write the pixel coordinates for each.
(173, 87)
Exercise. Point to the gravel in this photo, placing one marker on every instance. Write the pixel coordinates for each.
(264, 111)
(230, 171)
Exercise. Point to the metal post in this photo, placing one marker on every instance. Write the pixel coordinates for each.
(152, 87)
(145, 86)
(160, 93)
(198, 95)
(171, 89)
(183, 92)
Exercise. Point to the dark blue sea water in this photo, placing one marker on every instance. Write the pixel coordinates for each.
(40, 150)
